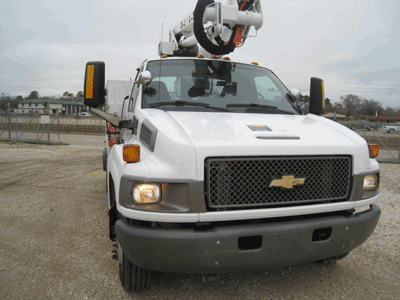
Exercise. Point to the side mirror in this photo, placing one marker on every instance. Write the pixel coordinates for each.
(317, 96)
(94, 90)
(144, 78)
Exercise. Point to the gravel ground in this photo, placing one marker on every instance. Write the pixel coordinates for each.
(54, 243)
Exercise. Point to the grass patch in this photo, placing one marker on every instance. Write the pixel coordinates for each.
(20, 143)
(82, 133)
(12, 143)
(59, 144)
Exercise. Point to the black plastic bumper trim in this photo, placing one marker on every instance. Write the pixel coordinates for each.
(216, 250)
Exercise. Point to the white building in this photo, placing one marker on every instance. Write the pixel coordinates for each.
(50, 106)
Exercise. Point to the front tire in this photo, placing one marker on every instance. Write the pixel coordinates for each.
(391, 131)
(333, 260)
(132, 277)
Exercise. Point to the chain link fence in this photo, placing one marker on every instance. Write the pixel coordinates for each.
(389, 143)
(29, 128)
(45, 128)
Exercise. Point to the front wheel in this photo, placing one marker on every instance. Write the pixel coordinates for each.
(391, 131)
(132, 277)
(333, 260)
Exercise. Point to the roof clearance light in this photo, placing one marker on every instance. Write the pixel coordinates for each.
(373, 150)
(214, 57)
(89, 81)
(200, 56)
(164, 56)
(131, 153)
(255, 63)
(227, 58)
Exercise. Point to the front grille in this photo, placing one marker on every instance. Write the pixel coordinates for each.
(258, 181)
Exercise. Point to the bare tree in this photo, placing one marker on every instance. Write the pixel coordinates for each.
(390, 112)
(371, 107)
(351, 103)
(338, 108)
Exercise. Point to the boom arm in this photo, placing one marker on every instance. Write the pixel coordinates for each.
(227, 27)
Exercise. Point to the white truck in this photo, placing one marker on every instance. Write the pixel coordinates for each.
(213, 168)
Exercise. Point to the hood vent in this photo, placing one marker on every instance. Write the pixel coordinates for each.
(148, 135)
(278, 137)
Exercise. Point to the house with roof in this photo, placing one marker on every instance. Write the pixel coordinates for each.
(335, 116)
(50, 106)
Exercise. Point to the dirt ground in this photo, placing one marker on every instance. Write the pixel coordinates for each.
(54, 241)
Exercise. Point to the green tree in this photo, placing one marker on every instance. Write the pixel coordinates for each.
(328, 106)
(79, 96)
(33, 95)
(67, 96)
(7, 102)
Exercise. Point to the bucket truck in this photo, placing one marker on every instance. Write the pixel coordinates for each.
(212, 167)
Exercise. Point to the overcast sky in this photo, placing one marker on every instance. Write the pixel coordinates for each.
(353, 45)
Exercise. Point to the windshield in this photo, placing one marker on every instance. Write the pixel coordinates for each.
(214, 85)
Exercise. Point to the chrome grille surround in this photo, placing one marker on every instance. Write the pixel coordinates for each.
(244, 182)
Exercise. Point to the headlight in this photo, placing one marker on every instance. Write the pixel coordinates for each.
(146, 193)
(370, 182)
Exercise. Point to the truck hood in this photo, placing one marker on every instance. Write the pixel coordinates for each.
(236, 134)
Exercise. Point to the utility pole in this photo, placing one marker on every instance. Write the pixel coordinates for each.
(9, 120)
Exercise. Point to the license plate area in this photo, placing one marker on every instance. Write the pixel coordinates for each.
(246, 243)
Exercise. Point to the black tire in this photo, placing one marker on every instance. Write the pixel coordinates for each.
(333, 260)
(105, 159)
(341, 256)
(132, 277)
(391, 130)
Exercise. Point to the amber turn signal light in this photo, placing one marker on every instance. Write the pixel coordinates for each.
(89, 81)
(131, 153)
(373, 150)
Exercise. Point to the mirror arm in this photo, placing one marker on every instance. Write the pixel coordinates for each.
(116, 122)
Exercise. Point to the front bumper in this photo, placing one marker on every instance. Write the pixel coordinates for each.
(217, 250)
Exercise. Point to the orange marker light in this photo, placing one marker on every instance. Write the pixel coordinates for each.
(131, 153)
(89, 81)
(255, 63)
(214, 57)
(227, 58)
(200, 56)
(164, 56)
(373, 150)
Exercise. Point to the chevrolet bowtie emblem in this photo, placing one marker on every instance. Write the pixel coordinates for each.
(287, 182)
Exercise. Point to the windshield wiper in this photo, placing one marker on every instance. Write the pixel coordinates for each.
(186, 103)
(269, 107)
